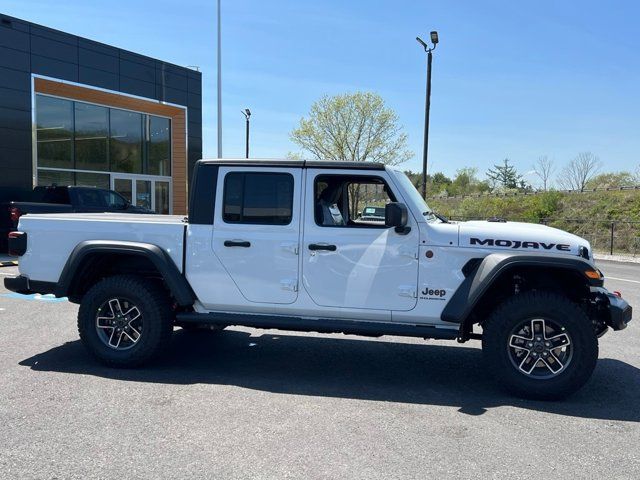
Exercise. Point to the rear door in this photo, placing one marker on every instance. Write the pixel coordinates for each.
(256, 231)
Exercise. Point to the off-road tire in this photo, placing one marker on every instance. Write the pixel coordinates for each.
(153, 303)
(497, 331)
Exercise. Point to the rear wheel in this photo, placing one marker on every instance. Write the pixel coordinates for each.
(125, 320)
(540, 345)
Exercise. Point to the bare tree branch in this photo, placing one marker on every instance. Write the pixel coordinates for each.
(544, 168)
(579, 171)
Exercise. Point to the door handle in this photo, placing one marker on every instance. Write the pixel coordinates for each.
(237, 243)
(322, 246)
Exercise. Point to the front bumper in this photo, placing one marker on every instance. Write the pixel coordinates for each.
(618, 312)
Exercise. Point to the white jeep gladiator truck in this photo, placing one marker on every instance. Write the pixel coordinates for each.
(278, 244)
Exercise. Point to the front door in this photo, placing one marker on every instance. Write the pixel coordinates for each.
(350, 258)
(256, 231)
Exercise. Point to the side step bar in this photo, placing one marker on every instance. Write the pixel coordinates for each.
(328, 325)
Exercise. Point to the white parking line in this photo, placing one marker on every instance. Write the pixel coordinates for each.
(621, 279)
(8, 274)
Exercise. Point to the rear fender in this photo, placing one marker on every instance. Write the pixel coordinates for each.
(77, 262)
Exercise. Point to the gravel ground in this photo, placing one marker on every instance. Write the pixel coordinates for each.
(267, 404)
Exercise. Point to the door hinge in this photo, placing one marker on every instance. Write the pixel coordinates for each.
(409, 252)
(290, 247)
(290, 285)
(407, 291)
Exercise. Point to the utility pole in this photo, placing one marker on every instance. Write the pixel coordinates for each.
(427, 108)
(219, 83)
(247, 114)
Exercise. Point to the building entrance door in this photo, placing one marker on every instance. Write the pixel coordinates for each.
(146, 191)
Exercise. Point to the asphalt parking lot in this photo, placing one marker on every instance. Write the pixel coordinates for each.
(247, 403)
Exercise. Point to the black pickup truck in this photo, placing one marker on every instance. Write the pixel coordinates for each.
(62, 199)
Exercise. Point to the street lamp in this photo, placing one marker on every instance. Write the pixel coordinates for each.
(219, 58)
(434, 41)
(247, 114)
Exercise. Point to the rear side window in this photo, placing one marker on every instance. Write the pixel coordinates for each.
(258, 198)
(54, 195)
(92, 198)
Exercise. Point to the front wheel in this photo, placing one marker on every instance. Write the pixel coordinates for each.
(125, 320)
(540, 345)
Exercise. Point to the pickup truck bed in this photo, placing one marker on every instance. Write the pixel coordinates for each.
(58, 234)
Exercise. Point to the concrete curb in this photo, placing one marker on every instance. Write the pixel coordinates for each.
(616, 258)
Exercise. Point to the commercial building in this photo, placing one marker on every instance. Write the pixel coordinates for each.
(78, 112)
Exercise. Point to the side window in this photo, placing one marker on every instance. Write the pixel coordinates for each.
(91, 198)
(116, 201)
(258, 198)
(351, 201)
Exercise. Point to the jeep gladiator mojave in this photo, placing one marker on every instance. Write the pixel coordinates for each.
(276, 244)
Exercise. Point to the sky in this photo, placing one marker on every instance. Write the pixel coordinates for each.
(516, 79)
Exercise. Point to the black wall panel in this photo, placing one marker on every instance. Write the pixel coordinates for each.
(16, 119)
(26, 48)
(16, 99)
(137, 87)
(51, 67)
(14, 79)
(12, 38)
(98, 78)
(53, 49)
(15, 59)
(98, 60)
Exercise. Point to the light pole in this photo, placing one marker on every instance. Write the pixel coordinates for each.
(247, 114)
(434, 41)
(219, 83)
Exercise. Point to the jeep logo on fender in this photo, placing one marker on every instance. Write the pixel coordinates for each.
(519, 244)
(432, 293)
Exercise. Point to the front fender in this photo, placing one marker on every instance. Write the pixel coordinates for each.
(480, 279)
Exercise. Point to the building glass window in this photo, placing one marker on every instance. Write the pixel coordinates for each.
(91, 137)
(159, 146)
(54, 129)
(99, 180)
(162, 197)
(126, 141)
(55, 177)
(79, 143)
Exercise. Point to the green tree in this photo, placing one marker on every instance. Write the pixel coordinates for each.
(612, 180)
(466, 182)
(505, 176)
(353, 127)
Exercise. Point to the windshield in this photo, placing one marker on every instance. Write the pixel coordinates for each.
(414, 196)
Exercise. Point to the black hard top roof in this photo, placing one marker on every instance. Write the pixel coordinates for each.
(242, 162)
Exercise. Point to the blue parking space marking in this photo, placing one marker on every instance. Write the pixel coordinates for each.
(35, 296)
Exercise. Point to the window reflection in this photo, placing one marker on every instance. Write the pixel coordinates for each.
(91, 134)
(159, 146)
(54, 128)
(126, 141)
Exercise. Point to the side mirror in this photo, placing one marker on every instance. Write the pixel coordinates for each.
(396, 215)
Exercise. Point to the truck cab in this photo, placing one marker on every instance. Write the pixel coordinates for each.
(282, 244)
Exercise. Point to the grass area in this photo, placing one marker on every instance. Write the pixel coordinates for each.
(589, 215)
